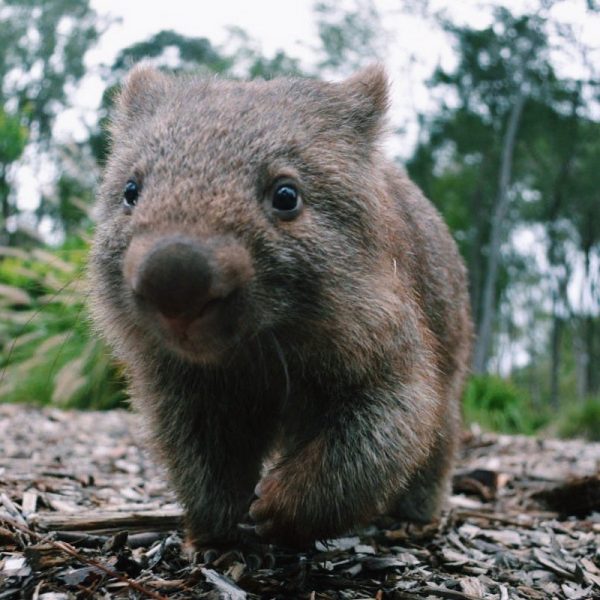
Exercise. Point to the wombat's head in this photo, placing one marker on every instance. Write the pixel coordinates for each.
(230, 210)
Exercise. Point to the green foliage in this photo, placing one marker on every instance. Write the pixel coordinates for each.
(48, 354)
(42, 45)
(69, 205)
(42, 49)
(457, 161)
(497, 405)
(581, 420)
(190, 53)
(247, 59)
(13, 137)
(552, 180)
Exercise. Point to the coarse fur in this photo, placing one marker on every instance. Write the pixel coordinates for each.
(340, 359)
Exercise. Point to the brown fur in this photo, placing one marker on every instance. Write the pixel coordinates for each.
(344, 350)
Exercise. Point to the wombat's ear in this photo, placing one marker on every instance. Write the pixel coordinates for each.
(367, 93)
(141, 92)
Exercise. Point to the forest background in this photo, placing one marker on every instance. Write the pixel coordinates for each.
(506, 145)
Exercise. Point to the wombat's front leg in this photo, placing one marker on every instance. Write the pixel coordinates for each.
(213, 464)
(364, 455)
(428, 486)
(214, 504)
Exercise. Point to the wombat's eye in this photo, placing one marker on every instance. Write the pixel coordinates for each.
(286, 201)
(130, 195)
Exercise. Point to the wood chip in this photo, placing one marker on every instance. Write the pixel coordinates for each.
(226, 587)
(29, 502)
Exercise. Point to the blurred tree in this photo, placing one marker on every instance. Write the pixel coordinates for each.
(467, 153)
(172, 50)
(351, 36)
(42, 47)
(561, 161)
(13, 137)
(248, 61)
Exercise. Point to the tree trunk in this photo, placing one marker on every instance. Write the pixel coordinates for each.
(474, 258)
(4, 208)
(557, 326)
(488, 304)
(592, 379)
(581, 359)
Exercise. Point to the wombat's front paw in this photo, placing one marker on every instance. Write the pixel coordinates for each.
(277, 515)
(282, 512)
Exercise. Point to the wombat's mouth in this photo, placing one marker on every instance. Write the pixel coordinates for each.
(180, 325)
(202, 335)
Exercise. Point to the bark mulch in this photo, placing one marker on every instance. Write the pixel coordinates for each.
(85, 513)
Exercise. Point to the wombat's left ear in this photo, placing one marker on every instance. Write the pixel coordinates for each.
(143, 90)
(367, 91)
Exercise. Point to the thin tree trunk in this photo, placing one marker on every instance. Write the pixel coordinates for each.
(488, 305)
(474, 257)
(4, 208)
(557, 326)
(581, 358)
(592, 379)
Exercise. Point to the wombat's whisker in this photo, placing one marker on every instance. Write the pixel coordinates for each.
(262, 361)
(283, 362)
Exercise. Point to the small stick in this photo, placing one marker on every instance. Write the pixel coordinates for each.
(494, 517)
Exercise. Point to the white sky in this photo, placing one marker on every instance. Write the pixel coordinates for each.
(266, 20)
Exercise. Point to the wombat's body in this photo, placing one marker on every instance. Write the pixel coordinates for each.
(280, 292)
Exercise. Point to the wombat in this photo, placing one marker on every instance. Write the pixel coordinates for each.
(292, 312)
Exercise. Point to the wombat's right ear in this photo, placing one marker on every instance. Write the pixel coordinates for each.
(367, 93)
(141, 92)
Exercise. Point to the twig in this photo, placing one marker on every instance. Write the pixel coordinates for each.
(494, 517)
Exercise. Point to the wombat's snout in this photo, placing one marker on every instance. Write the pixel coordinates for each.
(184, 279)
(174, 277)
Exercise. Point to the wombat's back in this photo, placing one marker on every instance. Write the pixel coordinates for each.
(439, 274)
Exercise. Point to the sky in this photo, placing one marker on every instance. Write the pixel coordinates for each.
(266, 20)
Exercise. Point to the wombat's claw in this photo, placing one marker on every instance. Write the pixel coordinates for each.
(248, 531)
(265, 530)
(259, 558)
(209, 555)
(258, 532)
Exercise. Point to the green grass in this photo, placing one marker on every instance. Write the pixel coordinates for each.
(581, 420)
(497, 405)
(48, 353)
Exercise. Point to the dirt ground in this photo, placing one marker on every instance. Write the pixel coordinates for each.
(85, 513)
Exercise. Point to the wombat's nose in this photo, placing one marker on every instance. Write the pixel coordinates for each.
(174, 277)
